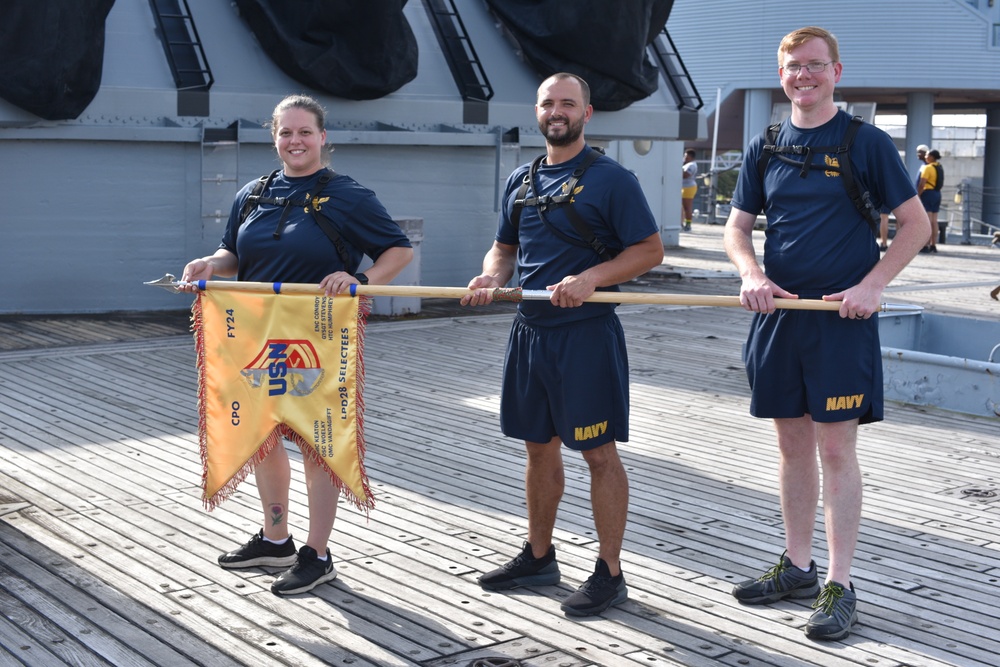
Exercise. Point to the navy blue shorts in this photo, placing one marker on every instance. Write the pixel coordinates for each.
(569, 381)
(931, 199)
(816, 363)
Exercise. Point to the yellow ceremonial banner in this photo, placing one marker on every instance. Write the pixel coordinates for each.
(273, 366)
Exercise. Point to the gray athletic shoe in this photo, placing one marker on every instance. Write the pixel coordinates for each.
(598, 593)
(836, 611)
(523, 570)
(784, 580)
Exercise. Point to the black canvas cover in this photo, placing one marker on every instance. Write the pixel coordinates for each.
(603, 41)
(356, 49)
(52, 54)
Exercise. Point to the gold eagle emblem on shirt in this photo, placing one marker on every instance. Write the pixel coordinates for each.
(315, 202)
(576, 190)
(832, 162)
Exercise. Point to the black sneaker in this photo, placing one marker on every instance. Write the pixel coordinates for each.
(259, 553)
(784, 580)
(523, 570)
(836, 611)
(307, 573)
(597, 593)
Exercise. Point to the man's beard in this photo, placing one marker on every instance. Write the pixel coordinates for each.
(572, 133)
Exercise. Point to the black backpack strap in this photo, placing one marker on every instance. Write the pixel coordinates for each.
(771, 149)
(939, 181)
(253, 200)
(581, 226)
(542, 203)
(565, 200)
(770, 139)
(314, 206)
(585, 163)
(861, 199)
(519, 199)
(859, 196)
(311, 204)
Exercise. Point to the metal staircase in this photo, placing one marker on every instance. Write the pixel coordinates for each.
(466, 69)
(185, 55)
(675, 73)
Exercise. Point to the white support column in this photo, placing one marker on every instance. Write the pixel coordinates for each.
(919, 127)
(756, 113)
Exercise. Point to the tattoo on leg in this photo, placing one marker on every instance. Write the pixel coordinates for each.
(277, 514)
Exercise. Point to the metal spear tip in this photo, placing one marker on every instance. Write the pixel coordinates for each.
(167, 282)
(901, 308)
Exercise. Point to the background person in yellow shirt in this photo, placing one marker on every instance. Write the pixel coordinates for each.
(929, 188)
(689, 188)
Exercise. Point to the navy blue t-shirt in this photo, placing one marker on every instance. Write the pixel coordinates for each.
(816, 241)
(303, 253)
(608, 197)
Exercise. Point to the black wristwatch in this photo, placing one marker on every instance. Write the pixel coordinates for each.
(361, 278)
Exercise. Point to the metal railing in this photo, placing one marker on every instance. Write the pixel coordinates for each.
(969, 211)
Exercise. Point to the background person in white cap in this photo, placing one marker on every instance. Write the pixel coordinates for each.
(883, 229)
(922, 156)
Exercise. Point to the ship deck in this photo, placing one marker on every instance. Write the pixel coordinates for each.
(107, 556)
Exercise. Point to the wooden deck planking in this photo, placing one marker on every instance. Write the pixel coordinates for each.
(103, 632)
(97, 596)
(101, 510)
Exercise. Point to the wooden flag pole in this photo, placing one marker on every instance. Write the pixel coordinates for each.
(512, 294)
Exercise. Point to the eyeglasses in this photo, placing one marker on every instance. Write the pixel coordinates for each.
(812, 68)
